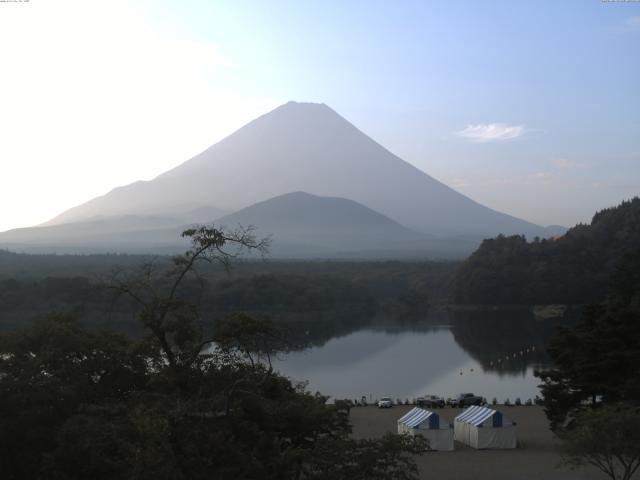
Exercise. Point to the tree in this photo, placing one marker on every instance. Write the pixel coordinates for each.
(186, 402)
(173, 321)
(571, 269)
(592, 392)
(607, 438)
(47, 373)
(259, 338)
(598, 359)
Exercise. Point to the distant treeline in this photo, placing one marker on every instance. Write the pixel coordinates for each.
(35, 285)
(572, 269)
(38, 266)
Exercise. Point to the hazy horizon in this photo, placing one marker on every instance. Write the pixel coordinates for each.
(501, 101)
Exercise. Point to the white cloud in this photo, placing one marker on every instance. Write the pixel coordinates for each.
(545, 179)
(491, 132)
(633, 22)
(565, 163)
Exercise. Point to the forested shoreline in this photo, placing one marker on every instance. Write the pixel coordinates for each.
(31, 286)
(505, 272)
(572, 269)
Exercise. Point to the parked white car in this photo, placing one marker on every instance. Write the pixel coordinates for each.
(385, 402)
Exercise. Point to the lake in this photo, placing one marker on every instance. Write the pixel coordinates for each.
(490, 354)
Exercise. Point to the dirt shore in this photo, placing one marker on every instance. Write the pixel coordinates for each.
(535, 458)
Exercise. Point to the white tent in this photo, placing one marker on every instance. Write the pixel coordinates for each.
(482, 427)
(419, 421)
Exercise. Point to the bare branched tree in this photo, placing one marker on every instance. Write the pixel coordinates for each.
(253, 338)
(155, 289)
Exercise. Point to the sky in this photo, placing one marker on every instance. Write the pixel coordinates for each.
(531, 108)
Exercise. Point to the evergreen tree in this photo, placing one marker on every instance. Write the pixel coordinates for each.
(598, 360)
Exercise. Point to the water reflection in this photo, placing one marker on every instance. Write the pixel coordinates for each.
(504, 342)
(470, 351)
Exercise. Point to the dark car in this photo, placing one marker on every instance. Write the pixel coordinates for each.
(430, 401)
(467, 399)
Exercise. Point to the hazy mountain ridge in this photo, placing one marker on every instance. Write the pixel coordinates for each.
(110, 234)
(307, 147)
(298, 147)
(304, 225)
(301, 226)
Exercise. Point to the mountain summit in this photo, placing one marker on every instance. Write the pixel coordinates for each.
(305, 147)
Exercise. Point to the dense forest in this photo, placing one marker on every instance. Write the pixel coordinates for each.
(342, 293)
(572, 269)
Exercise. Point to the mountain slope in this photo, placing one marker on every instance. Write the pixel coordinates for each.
(308, 147)
(301, 226)
(121, 234)
(304, 225)
(100, 234)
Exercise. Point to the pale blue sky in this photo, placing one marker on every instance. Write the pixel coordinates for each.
(532, 108)
(412, 73)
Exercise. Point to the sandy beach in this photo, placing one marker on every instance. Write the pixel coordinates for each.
(536, 457)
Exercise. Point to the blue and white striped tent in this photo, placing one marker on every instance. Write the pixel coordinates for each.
(419, 421)
(482, 427)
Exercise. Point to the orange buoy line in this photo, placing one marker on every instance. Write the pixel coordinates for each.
(510, 356)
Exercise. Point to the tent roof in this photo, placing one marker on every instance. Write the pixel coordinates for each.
(475, 415)
(415, 416)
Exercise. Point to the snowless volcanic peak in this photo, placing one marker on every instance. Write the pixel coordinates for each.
(305, 147)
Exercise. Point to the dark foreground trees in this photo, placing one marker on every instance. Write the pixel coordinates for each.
(77, 405)
(185, 402)
(49, 373)
(592, 394)
(598, 360)
(607, 438)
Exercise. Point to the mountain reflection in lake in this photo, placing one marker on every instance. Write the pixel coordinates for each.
(491, 354)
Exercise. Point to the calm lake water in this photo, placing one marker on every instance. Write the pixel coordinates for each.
(492, 355)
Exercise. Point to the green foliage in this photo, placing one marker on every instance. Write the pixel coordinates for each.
(342, 291)
(572, 269)
(599, 358)
(112, 413)
(177, 403)
(607, 438)
(294, 293)
(47, 373)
